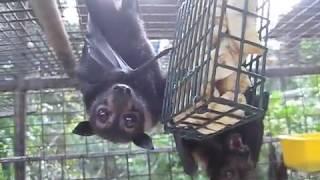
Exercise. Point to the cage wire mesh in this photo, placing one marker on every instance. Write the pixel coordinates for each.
(210, 71)
(24, 50)
(51, 151)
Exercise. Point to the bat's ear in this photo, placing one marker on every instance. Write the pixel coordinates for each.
(143, 141)
(130, 6)
(83, 129)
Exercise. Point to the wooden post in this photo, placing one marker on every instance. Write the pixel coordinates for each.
(20, 132)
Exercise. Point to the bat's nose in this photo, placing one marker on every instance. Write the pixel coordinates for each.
(123, 89)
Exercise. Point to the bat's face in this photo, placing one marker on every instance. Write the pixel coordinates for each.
(237, 162)
(119, 115)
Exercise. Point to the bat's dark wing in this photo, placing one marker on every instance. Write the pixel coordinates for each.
(99, 61)
(99, 65)
(253, 131)
(184, 152)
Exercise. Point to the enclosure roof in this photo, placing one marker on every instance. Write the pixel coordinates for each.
(23, 47)
(303, 21)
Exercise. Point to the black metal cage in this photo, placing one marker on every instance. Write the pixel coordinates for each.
(39, 106)
(218, 61)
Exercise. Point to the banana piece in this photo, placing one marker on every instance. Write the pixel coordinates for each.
(229, 83)
(193, 119)
(235, 21)
(182, 115)
(228, 120)
(224, 121)
(218, 21)
(229, 95)
(213, 129)
(226, 56)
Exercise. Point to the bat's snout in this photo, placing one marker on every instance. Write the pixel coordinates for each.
(122, 89)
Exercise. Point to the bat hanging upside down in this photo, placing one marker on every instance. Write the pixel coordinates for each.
(222, 158)
(118, 75)
(230, 155)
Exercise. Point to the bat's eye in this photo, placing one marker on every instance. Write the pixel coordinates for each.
(103, 114)
(130, 120)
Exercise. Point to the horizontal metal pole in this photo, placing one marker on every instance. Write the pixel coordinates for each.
(293, 71)
(38, 84)
(56, 83)
(82, 156)
(100, 155)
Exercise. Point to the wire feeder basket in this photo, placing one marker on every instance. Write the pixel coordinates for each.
(217, 64)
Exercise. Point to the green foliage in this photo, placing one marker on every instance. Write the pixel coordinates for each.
(295, 114)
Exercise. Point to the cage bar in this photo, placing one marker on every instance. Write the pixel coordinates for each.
(20, 132)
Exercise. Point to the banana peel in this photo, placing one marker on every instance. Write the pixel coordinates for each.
(226, 56)
(235, 21)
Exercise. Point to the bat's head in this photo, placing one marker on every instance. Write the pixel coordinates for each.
(237, 164)
(120, 115)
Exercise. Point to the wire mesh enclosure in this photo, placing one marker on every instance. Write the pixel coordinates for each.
(39, 106)
(24, 49)
(51, 151)
(218, 61)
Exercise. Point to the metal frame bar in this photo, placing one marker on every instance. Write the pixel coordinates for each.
(20, 107)
(266, 140)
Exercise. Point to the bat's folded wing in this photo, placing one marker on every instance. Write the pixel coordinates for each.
(99, 61)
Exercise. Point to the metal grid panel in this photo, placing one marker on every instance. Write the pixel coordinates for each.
(301, 22)
(24, 49)
(294, 30)
(196, 63)
(52, 151)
